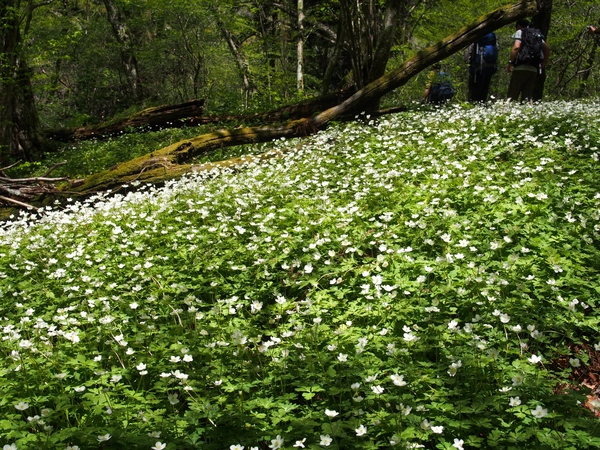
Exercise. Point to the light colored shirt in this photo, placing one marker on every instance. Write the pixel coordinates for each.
(517, 37)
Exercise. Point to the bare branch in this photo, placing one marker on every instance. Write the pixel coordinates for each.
(31, 180)
(54, 167)
(16, 202)
(11, 166)
(18, 189)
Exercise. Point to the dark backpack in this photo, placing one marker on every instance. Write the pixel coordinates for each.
(484, 58)
(441, 88)
(530, 51)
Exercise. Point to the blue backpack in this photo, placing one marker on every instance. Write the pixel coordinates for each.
(442, 89)
(484, 58)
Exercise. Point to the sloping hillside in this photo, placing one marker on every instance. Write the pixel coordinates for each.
(427, 279)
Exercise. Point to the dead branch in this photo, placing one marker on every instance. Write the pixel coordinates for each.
(17, 190)
(9, 167)
(31, 180)
(51, 169)
(16, 202)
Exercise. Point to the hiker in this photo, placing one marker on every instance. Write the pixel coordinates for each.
(482, 57)
(594, 30)
(439, 86)
(528, 58)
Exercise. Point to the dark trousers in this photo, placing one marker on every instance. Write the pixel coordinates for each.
(479, 86)
(522, 83)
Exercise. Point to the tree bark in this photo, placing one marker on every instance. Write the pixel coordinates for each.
(168, 163)
(587, 69)
(358, 19)
(541, 21)
(191, 114)
(333, 59)
(123, 36)
(368, 39)
(169, 116)
(300, 48)
(427, 57)
(19, 121)
(240, 59)
(385, 40)
(16, 192)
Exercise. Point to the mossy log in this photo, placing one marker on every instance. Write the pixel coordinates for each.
(191, 114)
(168, 116)
(173, 161)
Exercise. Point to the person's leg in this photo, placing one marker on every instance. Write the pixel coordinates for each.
(486, 79)
(515, 87)
(472, 88)
(528, 86)
(478, 90)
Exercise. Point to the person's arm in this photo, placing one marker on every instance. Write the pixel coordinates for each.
(594, 30)
(513, 55)
(546, 52)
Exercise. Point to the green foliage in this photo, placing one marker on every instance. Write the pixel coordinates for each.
(430, 278)
(85, 158)
(181, 54)
(571, 71)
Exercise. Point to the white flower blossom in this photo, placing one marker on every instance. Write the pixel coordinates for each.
(361, 430)
(325, 440)
(539, 412)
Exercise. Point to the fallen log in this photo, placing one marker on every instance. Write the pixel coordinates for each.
(18, 191)
(168, 116)
(167, 163)
(299, 110)
(191, 114)
(174, 161)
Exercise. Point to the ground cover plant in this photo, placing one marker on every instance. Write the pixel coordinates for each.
(100, 154)
(426, 280)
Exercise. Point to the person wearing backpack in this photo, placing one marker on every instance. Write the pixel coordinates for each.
(482, 57)
(439, 86)
(528, 58)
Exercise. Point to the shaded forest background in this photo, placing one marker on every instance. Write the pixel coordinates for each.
(181, 51)
(92, 60)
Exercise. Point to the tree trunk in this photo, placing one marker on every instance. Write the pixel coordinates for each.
(587, 70)
(358, 19)
(240, 59)
(191, 114)
(542, 22)
(128, 59)
(369, 39)
(167, 163)
(18, 116)
(306, 108)
(16, 192)
(333, 59)
(169, 116)
(385, 40)
(427, 57)
(300, 48)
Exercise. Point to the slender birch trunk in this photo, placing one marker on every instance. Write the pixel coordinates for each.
(300, 48)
